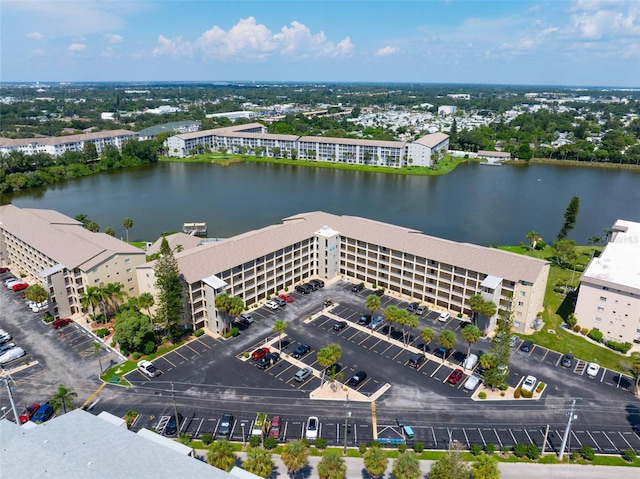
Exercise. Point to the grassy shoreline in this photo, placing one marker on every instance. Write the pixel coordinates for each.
(587, 164)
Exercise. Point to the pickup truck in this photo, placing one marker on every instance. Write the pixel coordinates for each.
(261, 425)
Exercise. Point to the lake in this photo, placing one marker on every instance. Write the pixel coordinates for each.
(474, 203)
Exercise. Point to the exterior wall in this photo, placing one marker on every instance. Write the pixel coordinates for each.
(71, 143)
(418, 155)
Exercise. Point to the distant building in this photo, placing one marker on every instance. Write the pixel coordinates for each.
(609, 294)
(57, 145)
(162, 110)
(173, 127)
(233, 115)
(459, 96)
(447, 110)
(494, 155)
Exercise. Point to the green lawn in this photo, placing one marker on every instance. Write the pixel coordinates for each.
(128, 366)
(557, 308)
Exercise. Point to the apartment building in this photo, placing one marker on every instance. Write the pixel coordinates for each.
(439, 272)
(182, 145)
(63, 256)
(57, 145)
(609, 294)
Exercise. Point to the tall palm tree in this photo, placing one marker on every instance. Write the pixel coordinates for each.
(471, 334)
(427, 335)
(332, 465)
(36, 293)
(475, 305)
(146, 301)
(115, 293)
(63, 398)
(110, 231)
(295, 456)
(327, 356)
(127, 223)
(258, 462)
(533, 237)
(104, 298)
(279, 327)
(447, 340)
(372, 303)
(90, 299)
(391, 314)
(221, 455)
(485, 467)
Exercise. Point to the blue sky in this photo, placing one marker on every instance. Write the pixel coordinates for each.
(577, 42)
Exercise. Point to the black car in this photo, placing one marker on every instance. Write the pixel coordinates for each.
(172, 426)
(357, 288)
(526, 346)
(416, 360)
(305, 288)
(225, 425)
(335, 368)
(269, 360)
(316, 283)
(567, 360)
(301, 350)
(380, 292)
(357, 379)
(412, 307)
(364, 320)
(339, 325)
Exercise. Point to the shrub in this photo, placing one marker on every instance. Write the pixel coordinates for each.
(616, 346)
(136, 355)
(595, 335)
(540, 387)
(587, 453)
(207, 438)
(102, 332)
(113, 343)
(584, 331)
(305, 441)
(47, 318)
(270, 443)
(362, 448)
(198, 333)
(374, 444)
(504, 450)
(148, 347)
(517, 393)
(476, 449)
(418, 447)
(540, 245)
(246, 354)
(520, 450)
(533, 452)
(572, 321)
(629, 455)
(482, 395)
(574, 455)
(460, 315)
(576, 328)
(321, 443)
(235, 331)
(402, 448)
(255, 441)
(490, 448)
(526, 394)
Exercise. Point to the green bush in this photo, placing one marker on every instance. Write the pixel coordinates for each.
(533, 452)
(587, 453)
(517, 393)
(540, 245)
(402, 448)
(616, 346)
(198, 333)
(576, 328)
(47, 318)
(572, 321)
(270, 443)
(595, 335)
(102, 332)
(482, 395)
(490, 448)
(207, 438)
(520, 450)
(629, 455)
(418, 447)
(136, 355)
(321, 443)
(584, 331)
(476, 449)
(305, 441)
(148, 347)
(526, 394)
(255, 441)
(540, 387)
(235, 331)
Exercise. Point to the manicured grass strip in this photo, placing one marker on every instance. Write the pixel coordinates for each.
(128, 366)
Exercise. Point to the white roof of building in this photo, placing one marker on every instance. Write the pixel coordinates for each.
(431, 140)
(219, 131)
(61, 238)
(351, 141)
(619, 263)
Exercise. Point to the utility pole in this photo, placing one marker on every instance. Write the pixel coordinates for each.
(6, 380)
(566, 431)
(175, 411)
(346, 423)
(544, 443)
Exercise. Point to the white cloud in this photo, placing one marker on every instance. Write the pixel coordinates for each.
(246, 39)
(172, 46)
(35, 36)
(386, 51)
(114, 38)
(38, 52)
(77, 47)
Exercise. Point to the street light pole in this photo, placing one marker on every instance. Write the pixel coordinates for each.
(175, 411)
(6, 380)
(346, 423)
(566, 431)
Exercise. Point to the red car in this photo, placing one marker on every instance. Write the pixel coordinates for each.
(259, 353)
(274, 430)
(4, 270)
(455, 376)
(285, 297)
(60, 322)
(28, 412)
(19, 286)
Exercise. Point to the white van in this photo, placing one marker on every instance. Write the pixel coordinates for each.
(470, 361)
(11, 355)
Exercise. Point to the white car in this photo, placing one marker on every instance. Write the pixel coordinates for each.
(529, 384)
(593, 369)
(472, 382)
(271, 305)
(311, 432)
(11, 355)
(148, 368)
(9, 284)
(444, 317)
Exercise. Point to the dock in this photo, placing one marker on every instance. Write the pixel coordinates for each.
(195, 229)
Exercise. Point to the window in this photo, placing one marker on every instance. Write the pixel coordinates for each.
(516, 324)
(600, 309)
(127, 260)
(598, 319)
(602, 298)
(520, 303)
(130, 280)
(128, 270)
(519, 313)
(96, 281)
(522, 293)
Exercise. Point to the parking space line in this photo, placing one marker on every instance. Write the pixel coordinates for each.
(399, 353)
(167, 360)
(388, 347)
(197, 352)
(497, 437)
(513, 437)
(604, 372)
(203, 343)
(354, 335)
(545, 355)
(466, 438)
(176, 351)
(608, 439)
(624, 439)
(484, 443)
(594, 441)
(558, 361)
(576, 438)
(437, 369)
(528, 436)
(433, 433)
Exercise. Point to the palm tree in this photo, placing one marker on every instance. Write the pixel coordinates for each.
(279, 327)
(222, 304)
(62, 399)
(485, 361)
(36, 293)
(427, 335)
(533, 237)
(375, 461)
(447, 340)
(90, 299)
(110, 231)
(485, 467)
(221, 455)
(327, 356)
(406, 466)
(104, 296)
(410, 320)
(372, 303)
(471, 334)
(146, 301)
(115, 293)
(295, 456)
(475, 305)
(635, 368)
(258, 462)
(391, 314)
(93, 226)
(332, 465)
(127, 223)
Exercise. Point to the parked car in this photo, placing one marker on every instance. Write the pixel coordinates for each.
(61, 322)
(593, 369)
(11, 355)
(44, 413)
(11, 281)
(303, 374)
(335, 368)
(279, 301)
(316, 283)
(526, 346)
(416, 360)
(272, 305)
(301, 351)
(4, 270)
(455, 376)
(356, 288)
(529, 383)
(327, 302)
(148, 368)
(172, 427)
(567, 360)
(380, 292)
(300, 289)
(364, 320)
(412, 307)
(513, 341)
(226, 423)
(246, 318)
(39, 309)
(7, 347)
(4, 336)
(274, 430)
(420, 310)
(311, 433)
(339, 325)
(285, 297)
(19, 286)
(268, 360)
(444, 317)
(357, 379)
(29, 412)
(376, 322)
(441, 353)
(470, 361)
(259, 353)
(471, 383)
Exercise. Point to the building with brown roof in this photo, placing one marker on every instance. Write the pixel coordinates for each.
(63, 256)
(439, 272)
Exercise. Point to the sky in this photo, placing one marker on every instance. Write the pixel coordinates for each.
(555, 42)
